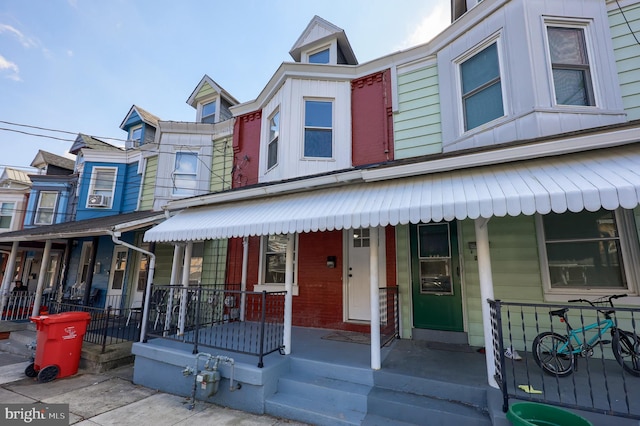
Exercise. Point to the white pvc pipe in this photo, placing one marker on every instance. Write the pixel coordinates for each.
(374, 298)
(288, 298)
(486, 292)
(41, 277)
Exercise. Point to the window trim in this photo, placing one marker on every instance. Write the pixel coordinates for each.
(53, 209)
(136, 142)
(628, 237)
(331, 47)
(275, 140)
(195, 174)
(332, 101)
(462, 122)
(92, 184)
(585, 26)
(216, 114)
(261, 285)
(11, 216)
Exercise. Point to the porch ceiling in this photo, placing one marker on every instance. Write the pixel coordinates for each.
(574, 182)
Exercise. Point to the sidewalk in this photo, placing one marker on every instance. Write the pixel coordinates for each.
(111, 398)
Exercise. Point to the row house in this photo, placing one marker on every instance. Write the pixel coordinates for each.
(488, 163)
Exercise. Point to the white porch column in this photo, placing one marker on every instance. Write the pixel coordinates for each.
(375, 298)
(43, 274)
(186, 266)
(175, 272)
(288, 298)
(243, 279)
(486, 292)
(8, 277)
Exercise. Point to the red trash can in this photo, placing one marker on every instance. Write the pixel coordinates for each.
(58, 345)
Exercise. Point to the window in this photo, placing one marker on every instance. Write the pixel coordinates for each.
(6, 215)
(135, 135)
(434, 252)
(318, 132)
(46, 207)
(481, 88)
(185, 173)
(208, 113)
(274, 259)
(585, 251)
(570, 66)
(274, 134)
(103, 184)
(321, 57)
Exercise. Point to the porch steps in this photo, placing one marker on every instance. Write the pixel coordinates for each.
(18, 342)
(321, 393)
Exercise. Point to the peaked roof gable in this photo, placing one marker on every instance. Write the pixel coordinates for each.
(86, 141)
(10, 175)
(44, 158)
(206, 80)
(318, 31)
(144, 116)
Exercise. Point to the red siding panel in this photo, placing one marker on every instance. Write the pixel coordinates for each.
(246, 148)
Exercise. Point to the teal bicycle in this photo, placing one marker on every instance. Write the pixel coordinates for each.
(557, 354)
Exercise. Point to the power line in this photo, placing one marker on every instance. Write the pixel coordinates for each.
(46, 129)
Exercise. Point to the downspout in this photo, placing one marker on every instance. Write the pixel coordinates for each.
(115, 237)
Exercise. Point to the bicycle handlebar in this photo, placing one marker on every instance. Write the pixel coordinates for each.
(609, 298)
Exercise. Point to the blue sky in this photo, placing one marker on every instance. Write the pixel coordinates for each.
(79, 65)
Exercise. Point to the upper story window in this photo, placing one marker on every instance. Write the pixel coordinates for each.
(185, 174)
(318, 129)
(570, 66)
(321, 57)
(274, 134)
(135, 135)
(6, 215)
(208, 113)
(102, 187)
(46, 207)
(481, 88)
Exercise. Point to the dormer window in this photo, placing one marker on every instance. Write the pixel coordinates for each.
(208, 113)
(321, 57)
(135, 135)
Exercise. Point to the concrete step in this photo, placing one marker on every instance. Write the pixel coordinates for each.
(363, 376)
(19, 342)
(300, 408)
(376, 420)
(466, 394)
(415, 409)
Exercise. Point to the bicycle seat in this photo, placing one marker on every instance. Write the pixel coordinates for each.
(559, 312)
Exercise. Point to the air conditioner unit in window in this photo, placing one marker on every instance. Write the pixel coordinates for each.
(97, 201)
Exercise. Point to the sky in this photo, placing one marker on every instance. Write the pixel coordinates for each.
(77, 66)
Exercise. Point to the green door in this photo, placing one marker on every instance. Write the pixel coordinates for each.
(435, 276)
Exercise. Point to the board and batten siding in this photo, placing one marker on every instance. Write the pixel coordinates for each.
(417, 124)
(403, 273)
(627, 54)
(164, 261)
(149, 183)
(221, 165)
(214, 262)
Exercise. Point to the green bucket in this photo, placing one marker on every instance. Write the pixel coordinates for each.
(534, 414)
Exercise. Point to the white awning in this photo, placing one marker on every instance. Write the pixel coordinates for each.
(587, 181)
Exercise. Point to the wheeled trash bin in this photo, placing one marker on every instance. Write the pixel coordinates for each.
(58, 345)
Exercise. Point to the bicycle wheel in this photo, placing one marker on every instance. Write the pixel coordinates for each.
(553, 354)
(626, 349)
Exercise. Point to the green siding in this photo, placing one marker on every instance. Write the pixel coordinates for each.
(149, 183)
(417, 124)
(164, 261)
(214, 263)
(205, 91)
(627, 57)
(403, 271)
(221, 165)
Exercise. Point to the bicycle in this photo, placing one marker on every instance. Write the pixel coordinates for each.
(557, 355)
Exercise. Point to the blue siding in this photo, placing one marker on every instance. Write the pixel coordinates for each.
(131, 189)
(133, 120)
(61, 208)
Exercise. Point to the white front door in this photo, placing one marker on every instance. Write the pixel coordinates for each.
(358, 289)
(116, 277)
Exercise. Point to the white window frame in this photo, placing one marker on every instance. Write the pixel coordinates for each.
(262, 285)
(628, 237)
(177, 192)
(332, 101)
(39, 208)
(497, 39)
(11, 215)
(92, 185)
(585, 26)
(135, 141)
(271, 140)
(216, 115)
(333, 53)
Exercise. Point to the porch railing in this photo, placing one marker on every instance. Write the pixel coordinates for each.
(19, 306)
(218, 316)
(590, 379)
(389, 314)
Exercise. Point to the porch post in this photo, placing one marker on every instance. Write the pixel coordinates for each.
(243, 279)
(486, 292)
(186, 266)
(288, 298)
(375, 298)
(8, 276)
(43, 271)
(175, 269)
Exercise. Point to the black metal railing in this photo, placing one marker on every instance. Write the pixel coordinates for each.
(218, 316)
(534, 363)
(389, 314)
(19, 306)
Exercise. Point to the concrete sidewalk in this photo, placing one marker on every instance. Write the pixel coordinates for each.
(111, 398)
